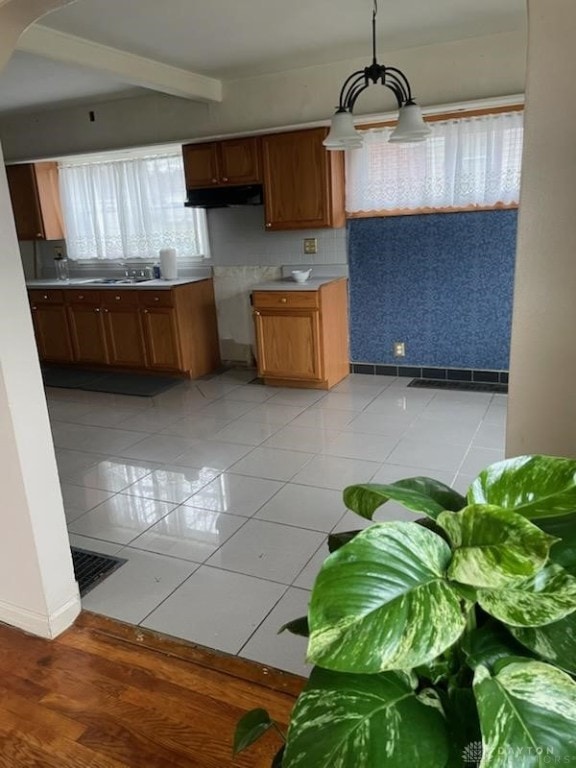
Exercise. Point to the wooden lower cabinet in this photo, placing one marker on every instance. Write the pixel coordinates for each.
(161, 335)
(122, 320)
(88, 336)
(288, 344)
(52, 334)
(302, 336)
(172, 330)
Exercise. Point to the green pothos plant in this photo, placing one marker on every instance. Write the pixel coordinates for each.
(449, 642)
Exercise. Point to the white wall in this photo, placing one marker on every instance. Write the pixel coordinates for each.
(238, 237)
(463, 70)
(38, 592)
(542, 403)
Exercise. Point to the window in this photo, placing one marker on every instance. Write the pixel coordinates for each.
(466, 162)
(130, 208)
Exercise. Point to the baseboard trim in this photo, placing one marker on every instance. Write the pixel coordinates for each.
(425, 372)
(40, 624)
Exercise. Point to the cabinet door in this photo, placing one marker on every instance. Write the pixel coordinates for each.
(51, 330)
(200, 165)
(124, 336)
(239, 161)
(36, 201)
(288, 344)
(297, 180)
(161, 338)
(88, 337)
(25, 202)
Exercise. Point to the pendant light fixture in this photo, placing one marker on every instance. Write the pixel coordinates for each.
(410, 127)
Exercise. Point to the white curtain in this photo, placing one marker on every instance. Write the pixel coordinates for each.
(472, 161)
(130, 209)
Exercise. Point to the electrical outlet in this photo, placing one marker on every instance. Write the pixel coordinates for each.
(399, 349)
(59, 251)
(310, 245)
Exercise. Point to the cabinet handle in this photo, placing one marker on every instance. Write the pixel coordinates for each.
(106, 310)
(34, 307)
(45, 296)
(225, 178)
(156, 298)
(214, 181)
(145, 311)
(39, 234)
(81, 296)
(97, 309)
(268, 224)
(117, 298)
(283, 300)
(256, 312)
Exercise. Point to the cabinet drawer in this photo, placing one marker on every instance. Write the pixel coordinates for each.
(285, 299)
(115, 298)
(156, 298)
(46, 296)
(80, 296)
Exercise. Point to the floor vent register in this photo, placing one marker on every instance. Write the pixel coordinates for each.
(90, 568)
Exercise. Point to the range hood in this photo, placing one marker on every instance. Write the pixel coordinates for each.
(225, 197)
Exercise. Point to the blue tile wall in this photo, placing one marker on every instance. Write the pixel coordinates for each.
(442, 283)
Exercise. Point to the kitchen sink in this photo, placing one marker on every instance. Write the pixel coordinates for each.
(120, 280)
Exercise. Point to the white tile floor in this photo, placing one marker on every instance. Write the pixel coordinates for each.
(220, 493)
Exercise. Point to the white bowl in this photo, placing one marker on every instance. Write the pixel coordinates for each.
(301, 275)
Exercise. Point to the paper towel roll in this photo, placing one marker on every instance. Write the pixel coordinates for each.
(168, 264)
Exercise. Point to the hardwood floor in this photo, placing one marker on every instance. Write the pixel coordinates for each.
(107, 695)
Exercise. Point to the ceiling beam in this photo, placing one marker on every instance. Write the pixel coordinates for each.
(124, 66)
(16, 15)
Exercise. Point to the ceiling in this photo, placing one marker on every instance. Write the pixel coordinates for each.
(227, 39)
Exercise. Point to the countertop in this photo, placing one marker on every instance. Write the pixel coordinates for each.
(287, 284)
(85, 282)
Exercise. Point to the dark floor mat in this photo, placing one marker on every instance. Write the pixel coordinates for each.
(467, 386)
(90, 568)
(113, 383)
(69, 378)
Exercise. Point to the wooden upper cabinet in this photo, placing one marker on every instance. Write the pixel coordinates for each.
(36, 201)
(303, 183)
(200, 165)
(222, 163)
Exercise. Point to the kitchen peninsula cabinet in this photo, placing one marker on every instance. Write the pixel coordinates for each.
(302, 336)
(36, 201)
(303, 182)
(51, 326)
(222, 163)
(170, 329)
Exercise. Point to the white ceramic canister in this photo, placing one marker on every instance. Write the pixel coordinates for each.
(168, 264)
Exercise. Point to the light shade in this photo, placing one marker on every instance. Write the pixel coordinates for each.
(411, 126)
(343, 134)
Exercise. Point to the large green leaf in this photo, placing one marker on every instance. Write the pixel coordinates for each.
(297, 627)
(383, 602)
(489, 644)
(555, 642)
(337, 540)
(545, 598)
(250, 728)
(534, 486)
(528, 716)
(493, 547)
(364, 721)
(563, 528)
(420, 494)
